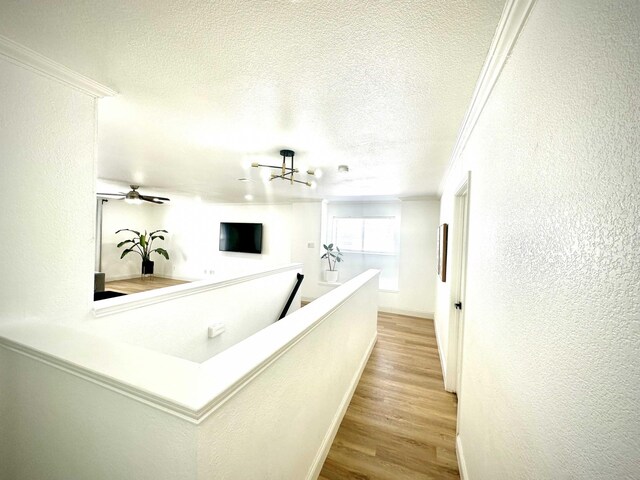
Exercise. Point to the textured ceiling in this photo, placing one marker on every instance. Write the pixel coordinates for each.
(206, 87)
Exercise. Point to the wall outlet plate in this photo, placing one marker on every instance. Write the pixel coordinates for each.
(215, 330)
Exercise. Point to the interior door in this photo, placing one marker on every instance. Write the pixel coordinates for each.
(462, 285)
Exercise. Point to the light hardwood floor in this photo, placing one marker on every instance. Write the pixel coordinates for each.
(141, 284)
(401, 423)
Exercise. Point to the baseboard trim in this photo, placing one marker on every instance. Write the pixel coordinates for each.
(462, 466)
(443, 360)
(321, 456)
(406, 313)
(117, 278)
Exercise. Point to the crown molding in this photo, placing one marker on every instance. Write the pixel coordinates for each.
(513, 19)
(25, 57)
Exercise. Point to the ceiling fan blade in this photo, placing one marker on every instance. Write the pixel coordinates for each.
(150, 199)
(153, 198)
(112, 194)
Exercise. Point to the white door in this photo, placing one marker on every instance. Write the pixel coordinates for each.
(460, 304)
(458, 288)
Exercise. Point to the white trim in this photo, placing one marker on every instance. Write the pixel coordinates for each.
(137, 300)
(126, 276)
(25, 57)
(462, 466)
(443, 360)
(512, 21)
(323, 451)
(407, 313)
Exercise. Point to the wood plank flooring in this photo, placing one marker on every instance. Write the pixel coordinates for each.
(141, 284)
(401, 423)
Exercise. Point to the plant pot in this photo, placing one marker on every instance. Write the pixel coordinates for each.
(147, 267)
(331, 276)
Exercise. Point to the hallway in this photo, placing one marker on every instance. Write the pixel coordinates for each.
(401, 423)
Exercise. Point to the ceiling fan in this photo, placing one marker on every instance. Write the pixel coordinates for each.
(135, 197)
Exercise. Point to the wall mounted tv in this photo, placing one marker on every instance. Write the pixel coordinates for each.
(241, 237)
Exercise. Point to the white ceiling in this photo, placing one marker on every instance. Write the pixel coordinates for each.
(206, 87)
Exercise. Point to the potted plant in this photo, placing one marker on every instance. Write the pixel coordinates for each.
(141, 244)
(333, 257)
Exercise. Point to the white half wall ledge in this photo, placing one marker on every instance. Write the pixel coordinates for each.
(124, 303)
(22, 56)
(188, 390)
(513, 19)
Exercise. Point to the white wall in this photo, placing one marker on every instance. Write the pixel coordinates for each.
(46, 190)
(175, 320)
(418, 276)
(192, 241)
(355, 263)
(417, 268)
(195, 228)
(282, 424)
(56, 425)
(76, 406)
(551, 377)
(117, 214)
(306, 246)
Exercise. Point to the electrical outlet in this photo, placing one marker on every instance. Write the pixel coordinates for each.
(311, 245)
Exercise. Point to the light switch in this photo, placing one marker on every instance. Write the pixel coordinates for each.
(311, 245)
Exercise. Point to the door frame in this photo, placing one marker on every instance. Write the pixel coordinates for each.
(459, 248)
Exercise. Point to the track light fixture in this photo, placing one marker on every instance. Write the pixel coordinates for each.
(286, 172)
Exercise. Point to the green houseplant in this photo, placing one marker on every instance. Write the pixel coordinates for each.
(333, 256)
(141, 243)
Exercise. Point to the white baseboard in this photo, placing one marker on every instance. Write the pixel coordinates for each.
(408, 313)
(115, 278)
(183, 278)
(321, 456)
(462, 466)
(443, 360)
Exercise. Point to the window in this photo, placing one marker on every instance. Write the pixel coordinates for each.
(369, 235)
(365, 234)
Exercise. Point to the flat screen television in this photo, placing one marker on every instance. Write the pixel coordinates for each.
(241, 237)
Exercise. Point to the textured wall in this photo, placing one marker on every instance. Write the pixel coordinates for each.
(61, 427)
(46, 191)
(551, 376)
(277, 426)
